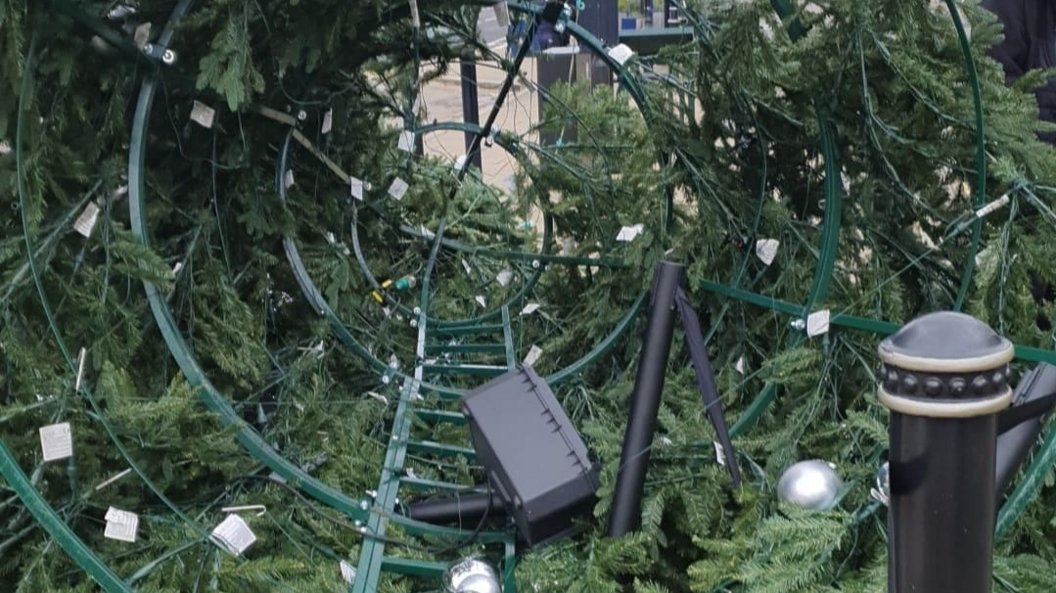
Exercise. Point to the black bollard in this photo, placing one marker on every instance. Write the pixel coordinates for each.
(626, 512)
(945, 378)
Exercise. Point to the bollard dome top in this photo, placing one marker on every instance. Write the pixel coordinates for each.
(946, 342)
(945, 365)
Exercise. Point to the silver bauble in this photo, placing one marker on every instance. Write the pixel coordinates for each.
(810, 484)
(471, 576)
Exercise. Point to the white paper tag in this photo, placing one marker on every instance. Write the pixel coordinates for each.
(466, 266)
(398, 189)
(417, 107)
(56, 441)
(177, 267)
(621, 53)
(533, 355)
(203, 115)
(85, 223)
(460, 162)
(480, 300)
(504, 277)
(406, 142)
(141, 37)
(720, 453)
(234, 535)
(568, 246)
(630, 233)
(530, 308)
(766, 250)
(427, 233)
(5, 147)
(288, 179)
(358, 186)
(121, 525)
(348, 572)
(818, 323)
(739, 367)
(328, 121)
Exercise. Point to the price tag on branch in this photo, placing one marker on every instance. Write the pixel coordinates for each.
(398, 189)
(534, 354)
(328, 122)
(56, 441)
(630, 233)
(766, 250)
(818, 323)
(348, 572)
(406, 141)
(288, 179)
(358, 187)
(504, 277)
(121, 525)
(85, 223)
(720, 453)
(530, 308)
(740, 366)
(234, 535)
(621, 53)
(480, 300)
(203, 115)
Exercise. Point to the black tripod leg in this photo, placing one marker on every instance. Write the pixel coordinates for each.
(698, 353)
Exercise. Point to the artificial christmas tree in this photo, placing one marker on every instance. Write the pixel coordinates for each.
(212, 230)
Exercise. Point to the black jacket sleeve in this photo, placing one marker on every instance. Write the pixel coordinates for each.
(1013, 52)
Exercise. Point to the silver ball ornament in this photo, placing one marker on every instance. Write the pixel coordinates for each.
(471, 576)
(810, 484)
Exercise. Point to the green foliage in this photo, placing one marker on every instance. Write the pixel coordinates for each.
(737, 123)
(228, 67)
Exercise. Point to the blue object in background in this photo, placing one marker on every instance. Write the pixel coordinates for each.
(628, 23)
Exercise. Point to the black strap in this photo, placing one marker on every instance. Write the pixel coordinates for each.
(698, 353)
(1031, 410)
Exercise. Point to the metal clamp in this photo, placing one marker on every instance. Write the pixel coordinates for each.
(158, 53)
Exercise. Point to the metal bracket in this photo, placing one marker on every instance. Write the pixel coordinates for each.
(159, 53)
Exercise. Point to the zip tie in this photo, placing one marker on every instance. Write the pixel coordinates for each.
(80, 369)
(993, 206)
(248, 507)
(113, 479)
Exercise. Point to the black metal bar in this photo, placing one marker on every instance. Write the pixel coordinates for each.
(465, 509)
(702, 368)
(1014, 445)
(470, 108)
(626, 512)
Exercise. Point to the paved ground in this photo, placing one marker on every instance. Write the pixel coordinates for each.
(442, 101)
